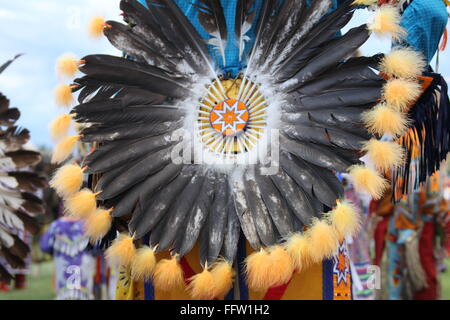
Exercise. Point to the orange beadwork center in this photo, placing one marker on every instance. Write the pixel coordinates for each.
(229, 117)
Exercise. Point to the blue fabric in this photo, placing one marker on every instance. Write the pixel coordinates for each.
(232, 52)
(425, 22)
(327, 279)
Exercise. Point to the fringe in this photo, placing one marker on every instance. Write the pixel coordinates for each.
(416, 275)
(427, 141)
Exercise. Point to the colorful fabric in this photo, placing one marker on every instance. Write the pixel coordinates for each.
(329, 280)
(233, 66)
(425, 22)
(359, 249)
(74, 265)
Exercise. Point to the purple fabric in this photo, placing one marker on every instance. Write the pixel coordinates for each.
(74, 264)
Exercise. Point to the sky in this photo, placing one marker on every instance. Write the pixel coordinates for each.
(45, 29)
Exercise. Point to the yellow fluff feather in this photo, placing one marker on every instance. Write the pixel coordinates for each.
(403, 63)
(385, 155)
(122, 251)
(383, 119)
(323, 240)
(82, 204)
(98, 224)
(143, 264)
(96, 26)
(67, 180)
(64, 149)
(63, 95)
(401, 93)
(201, 286)
(67, 65)
(258, 270)
(282, 266)
(345, 219)
(59, 128)
(298, 247)
(223, 275)
(168, 275)
(368, 180)
(387, 22)
(364, 2)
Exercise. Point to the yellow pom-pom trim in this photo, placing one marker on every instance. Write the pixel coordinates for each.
(67, 65)
(64, 149)
(345, 219)
(298, 246)
(63, 95)
(168, 275)
(323, 239)
(258, 270)
(82, 204)
(368, 180)
(98, 224)
(383, 119)
(385, 155)
(201, 286)
(387, 22)
(143, 264)
(401, 93)
(122, 251)
(223, 275)
(282, 266)
(59, 128)
(403, 63)
(67, 180)
(96, 26)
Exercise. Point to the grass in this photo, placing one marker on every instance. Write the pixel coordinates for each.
(445, 281)
(40, 283)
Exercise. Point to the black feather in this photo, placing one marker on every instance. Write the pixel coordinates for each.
(125, 131)
(179, 210)
(8, 63)
(232, 234)
(323, 135)
(245, 15)
(295, 54)
(123, 38)
(122, 71)
(305, 175)
(217, 219)
(275, 204)
(261, 216)
(335, 99)
(197, 216)
(295, 197)
(315, 154)
(244, 214)
(175, 24)
(146, 189)
(212, 18)
(125, 179)
(125, 152)
(149, 213)
(330, 54)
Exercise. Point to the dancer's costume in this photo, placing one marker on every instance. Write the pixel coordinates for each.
(406, 235)
(210, 216)
(74, 264)
(18, 183)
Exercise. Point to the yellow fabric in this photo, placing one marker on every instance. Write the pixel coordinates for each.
(128, 289)
(306, 285)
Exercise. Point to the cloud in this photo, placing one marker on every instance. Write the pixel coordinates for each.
(43, 30)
